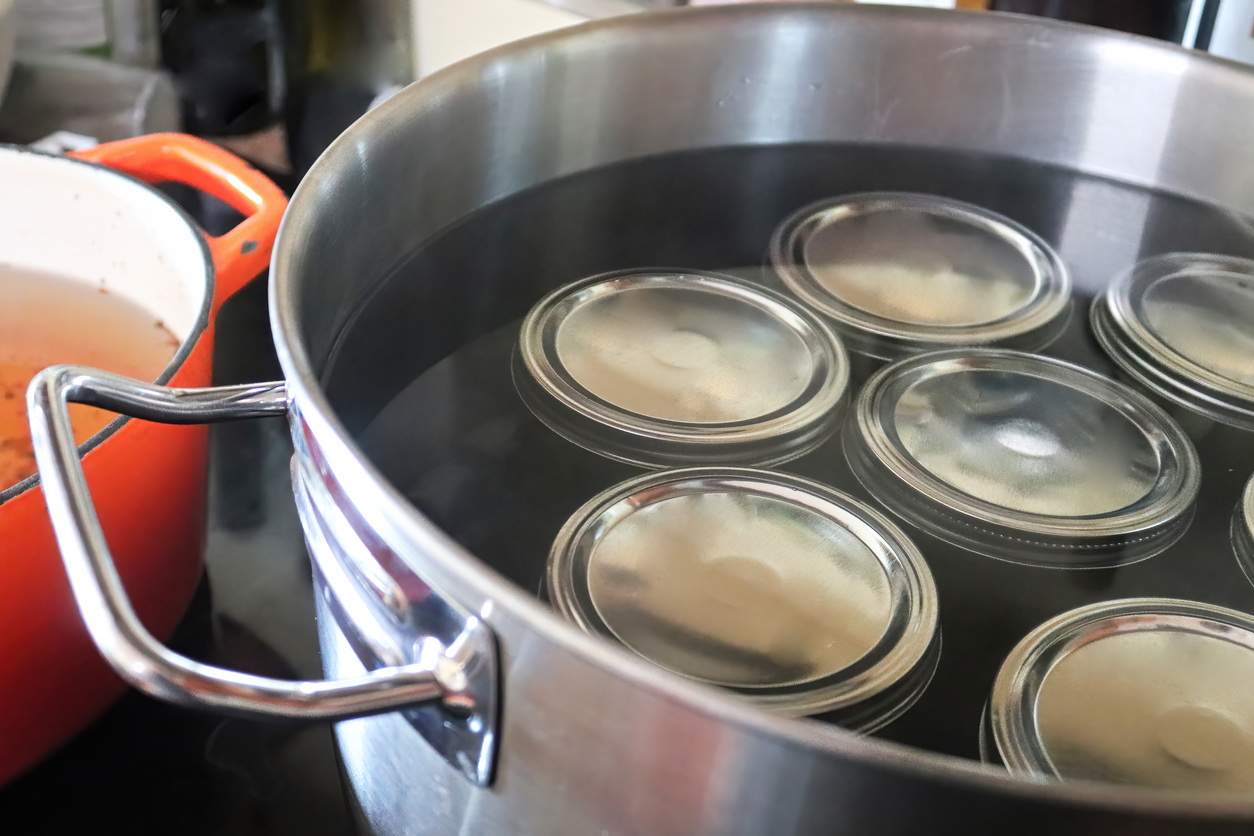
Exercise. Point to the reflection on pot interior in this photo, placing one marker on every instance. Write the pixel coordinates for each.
(48, 320)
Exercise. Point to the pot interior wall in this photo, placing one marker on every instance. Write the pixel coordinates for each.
(1089, 101)
(84, 223)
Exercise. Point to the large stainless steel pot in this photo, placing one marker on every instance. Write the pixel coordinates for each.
(517, 722)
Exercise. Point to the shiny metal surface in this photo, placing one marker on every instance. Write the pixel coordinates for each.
(660, 368)
(380, 628)
(588, 731)
(1025, 442)
(1149, 692)
(1183, 326)
(797, 597)
(1242, 531)
(441, 674)
(900, 273)
(680, 355)
(1024, 458)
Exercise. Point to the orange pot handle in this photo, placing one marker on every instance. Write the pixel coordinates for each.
(242, 253)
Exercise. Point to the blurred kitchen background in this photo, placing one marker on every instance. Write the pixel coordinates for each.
(277, 80)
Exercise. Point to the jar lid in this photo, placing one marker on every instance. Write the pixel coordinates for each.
(661, 368)
(900, 273)
(1243, 530)
(791, 594)
(1152, 692)
(1182, 325)
(1024, 458)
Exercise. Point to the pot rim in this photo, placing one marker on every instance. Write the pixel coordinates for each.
(188, 344)
(398, 521)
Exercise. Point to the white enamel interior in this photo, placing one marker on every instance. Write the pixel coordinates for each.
(88, 224)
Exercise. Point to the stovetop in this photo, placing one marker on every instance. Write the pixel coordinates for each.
(150, 768)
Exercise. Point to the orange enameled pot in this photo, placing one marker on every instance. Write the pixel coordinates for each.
(91, 219)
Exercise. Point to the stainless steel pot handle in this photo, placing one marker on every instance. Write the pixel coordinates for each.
(439, 677)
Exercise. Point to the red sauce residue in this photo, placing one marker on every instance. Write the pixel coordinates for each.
(47, 320)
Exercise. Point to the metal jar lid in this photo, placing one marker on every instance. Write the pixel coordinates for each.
(900, 273)
(782, 590)
(1243, 530)
(1024, 458)
(1152, 692)
(1182, 325)
(665, 368)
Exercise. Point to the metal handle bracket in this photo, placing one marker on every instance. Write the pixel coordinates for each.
(441, 675)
